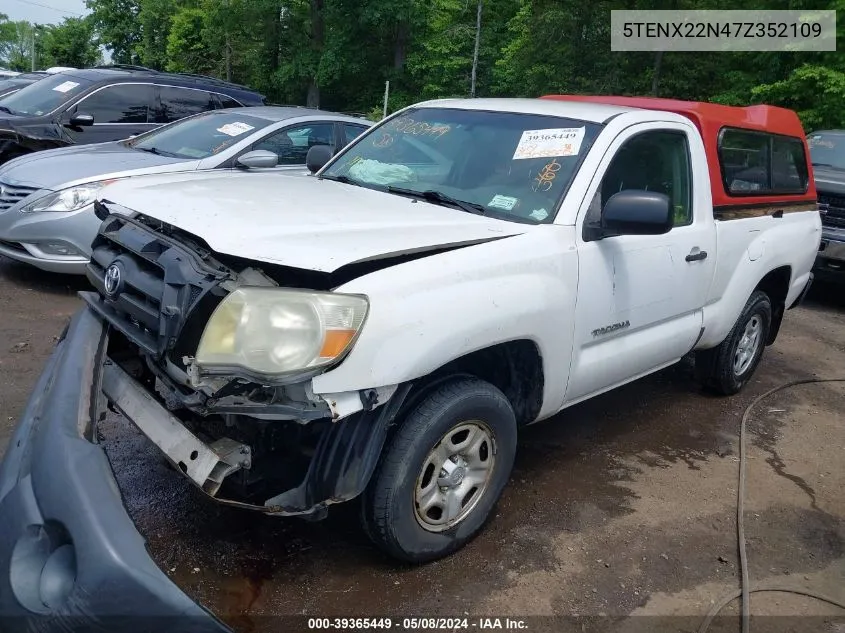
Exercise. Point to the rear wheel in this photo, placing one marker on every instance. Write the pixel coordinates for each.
(442, 472)
(728, 367)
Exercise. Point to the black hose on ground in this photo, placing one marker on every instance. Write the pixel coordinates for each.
(745, 584)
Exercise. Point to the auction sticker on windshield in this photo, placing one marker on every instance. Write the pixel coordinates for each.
(235, 129)
(503, 202)
(552, 142)
(67, 85)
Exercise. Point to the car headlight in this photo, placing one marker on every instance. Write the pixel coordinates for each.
(275, 331)
(70, 199)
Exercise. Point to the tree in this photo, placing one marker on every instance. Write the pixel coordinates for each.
(187, 49)
(16, 38)
(71, 43)
(119, 28)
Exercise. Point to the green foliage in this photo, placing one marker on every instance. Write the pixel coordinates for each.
(71, 43)
(339, 53)
(187, 48)
(118, 26)
(16, 39)
(817, 93)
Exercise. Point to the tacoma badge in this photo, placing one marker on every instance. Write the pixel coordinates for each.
(607, 329)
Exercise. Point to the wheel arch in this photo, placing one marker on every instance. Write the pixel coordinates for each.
(514, 367)
(776, 286)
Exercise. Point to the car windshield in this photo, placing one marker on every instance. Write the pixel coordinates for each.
(511, 165)
(45, 95)
(827, 150)
(200, 136)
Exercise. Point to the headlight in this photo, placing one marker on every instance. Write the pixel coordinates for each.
(274, 331)
(70, 199)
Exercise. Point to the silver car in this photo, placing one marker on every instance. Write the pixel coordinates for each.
(46, 198)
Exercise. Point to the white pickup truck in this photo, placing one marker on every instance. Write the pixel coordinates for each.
(382, 329)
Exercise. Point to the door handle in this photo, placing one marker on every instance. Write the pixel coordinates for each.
(696, 255)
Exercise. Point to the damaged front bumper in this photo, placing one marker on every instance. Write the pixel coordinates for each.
(70, 556)
(339, 470)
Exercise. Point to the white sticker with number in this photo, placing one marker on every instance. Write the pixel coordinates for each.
(503, 202)
(552, 142)
(64, 87)
(235, 129)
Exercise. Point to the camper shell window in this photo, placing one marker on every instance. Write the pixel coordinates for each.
(758, 163)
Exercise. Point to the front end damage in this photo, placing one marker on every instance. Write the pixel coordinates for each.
(67, 545)
(70, 556)
(270, 446)
(280, 465)
(17, 139)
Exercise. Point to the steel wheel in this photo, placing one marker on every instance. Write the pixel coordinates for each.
(748, 345)
(454, 476)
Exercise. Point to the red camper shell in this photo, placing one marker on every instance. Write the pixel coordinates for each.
(757, 155)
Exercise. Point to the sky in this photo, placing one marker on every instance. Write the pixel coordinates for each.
(43, 11)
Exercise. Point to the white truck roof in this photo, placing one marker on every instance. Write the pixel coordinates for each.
(593, 112)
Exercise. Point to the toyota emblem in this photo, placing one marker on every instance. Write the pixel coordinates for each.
(111, 280)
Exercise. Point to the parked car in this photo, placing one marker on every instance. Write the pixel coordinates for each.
(78, 107)
(46, 198)
(13, 84)
(381, 331)
(827, 149)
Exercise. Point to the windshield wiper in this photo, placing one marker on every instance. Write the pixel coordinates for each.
(822, 165)
(157, 152)
(432, 195)
(5, 109)
(341, 178)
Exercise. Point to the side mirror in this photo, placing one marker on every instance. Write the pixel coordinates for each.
(317, 157)
(81, 120)
(634, 212)
(258, 159)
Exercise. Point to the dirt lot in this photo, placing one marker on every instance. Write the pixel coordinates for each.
(624, 505)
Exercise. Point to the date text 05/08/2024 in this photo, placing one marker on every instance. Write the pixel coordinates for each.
(417, 624)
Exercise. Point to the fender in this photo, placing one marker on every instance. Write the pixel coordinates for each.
(743, 264)
(426, 313)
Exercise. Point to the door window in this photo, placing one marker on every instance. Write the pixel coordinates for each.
(177, 103)
(121, 103)
(227, 102)
(291, 145)
(351, 132)
(653, 161)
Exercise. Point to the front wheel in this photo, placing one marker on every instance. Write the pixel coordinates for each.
(442, 472)
(729, 366)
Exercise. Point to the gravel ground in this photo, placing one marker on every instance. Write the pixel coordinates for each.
(621, 506)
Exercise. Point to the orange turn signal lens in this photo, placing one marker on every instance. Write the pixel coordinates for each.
(335, 342)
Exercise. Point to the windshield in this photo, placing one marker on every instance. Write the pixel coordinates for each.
(511, 165)
(827, 150)
(200, 136)
(45, 95)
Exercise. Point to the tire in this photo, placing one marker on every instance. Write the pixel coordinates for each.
(390, 513)
(726, 369)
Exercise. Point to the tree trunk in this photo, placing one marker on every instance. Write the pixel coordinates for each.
(313, 98)
(475, 52)
(655, 76)
(400, 45)
(317, 38)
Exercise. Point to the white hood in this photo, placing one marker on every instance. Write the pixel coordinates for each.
(301, 221)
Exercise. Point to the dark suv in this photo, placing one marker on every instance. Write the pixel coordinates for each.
(827, 149)
(107, 103)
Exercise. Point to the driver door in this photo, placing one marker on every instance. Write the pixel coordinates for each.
(119, 111)
(641, 297)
